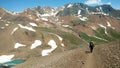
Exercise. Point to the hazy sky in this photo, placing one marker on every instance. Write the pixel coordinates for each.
(21, 5)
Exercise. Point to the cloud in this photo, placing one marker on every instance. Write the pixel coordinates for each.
(93, 2)
(99, 2)
(109, 3)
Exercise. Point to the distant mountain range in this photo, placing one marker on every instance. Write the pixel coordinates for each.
(80, 9)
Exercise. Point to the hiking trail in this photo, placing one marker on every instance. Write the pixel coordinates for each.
(89, 63)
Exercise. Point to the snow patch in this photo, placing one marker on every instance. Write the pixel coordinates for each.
(45, 19)
(15, 29)
(49, 13)
(62, 44)
(100, 38)
(37, 19)
(100, 13)
(103, 27)
(93, 27)
(108, 24)
(65, 25)
(26, 27)
(2, 27)
(33, 24)
(15, 13)
(45, 15)
(17, 45)
(60, 38)
(70, 5)
(6, 58)
(79, 11)
(100, 9)
(53, 45)
(35, 44)
(97, 9)
(0, 17)
(83, 18)
(6, 24)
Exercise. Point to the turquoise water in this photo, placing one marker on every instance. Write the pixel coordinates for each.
(12, 63)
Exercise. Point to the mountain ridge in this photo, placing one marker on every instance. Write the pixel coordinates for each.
(100, 8)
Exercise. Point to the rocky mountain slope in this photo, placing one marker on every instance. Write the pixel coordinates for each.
(46, 31)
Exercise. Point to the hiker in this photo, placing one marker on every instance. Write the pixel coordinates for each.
(91, 46)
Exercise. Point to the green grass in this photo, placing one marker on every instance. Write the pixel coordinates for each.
(74, 41)
(101, 33)
(26, 33)
(90, 38)
(78, 22)
(114, 34)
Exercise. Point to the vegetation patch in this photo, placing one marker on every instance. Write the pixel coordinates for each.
(77, 22)
(114, 34)
(101, 33)
(90, 38)
(69, 39)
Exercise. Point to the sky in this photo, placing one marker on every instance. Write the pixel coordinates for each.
(21, 5)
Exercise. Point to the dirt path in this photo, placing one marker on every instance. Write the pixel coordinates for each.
(89, 63)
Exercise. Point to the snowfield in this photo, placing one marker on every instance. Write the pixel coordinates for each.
(79, 11)
(83, 18)
(100, 38)
(15, 29)
(65, 25)
(60, 38)
(17, 45)
(2, 27)
(93, 27)
(6, 58)
(26, 27)
(6, 24)
(103, 27)
(70, 5)
(44, 19)
(53, 45)
(36, 44)
(33, 24)
(108, 24)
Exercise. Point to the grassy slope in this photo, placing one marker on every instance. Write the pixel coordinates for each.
(69, 39)
(112, 36)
